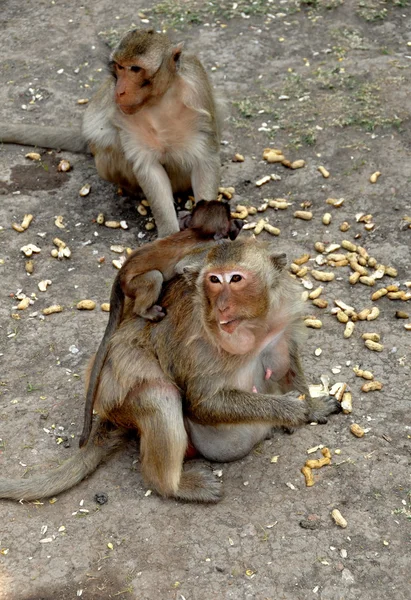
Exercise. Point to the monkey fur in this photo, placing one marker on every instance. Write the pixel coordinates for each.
(199, 375)
(153, 125)
(142, 276)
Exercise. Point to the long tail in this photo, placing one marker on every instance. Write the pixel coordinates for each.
(59, 138)
(105, 440)
(116, 311)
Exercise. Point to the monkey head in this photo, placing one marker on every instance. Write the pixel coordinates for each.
(143, 65)
(237, 287)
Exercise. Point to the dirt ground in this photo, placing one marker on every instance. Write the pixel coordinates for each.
(326, 81)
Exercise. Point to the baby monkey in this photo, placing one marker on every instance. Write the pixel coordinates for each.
(141, 278)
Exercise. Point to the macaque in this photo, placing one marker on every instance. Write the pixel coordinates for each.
(153, 125)
(199, 375)
(142, 276)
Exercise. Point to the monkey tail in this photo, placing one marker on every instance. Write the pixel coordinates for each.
(105, 441)
(59, 138)
(116, 311)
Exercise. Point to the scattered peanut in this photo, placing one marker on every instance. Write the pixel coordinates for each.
(238, 158)
(313, 323)
(375, 311)
(30, 249)
(320, 302)
(322, 275)
(400, 314)
(375, 346)
(278, 204)
(85, 190)
(149, 226)
(338, 518)
(346, 403)
(142, 210)
(112, 224)
(319, 246)
(64, 166)
(320, 462)
(375, 337)
(349, 329)
(33, 156)
(55, 308)
(263, 180)
(29, 266)
(315, 293)
(42, 285)
(364, 374)
(374, 177)
(345, 226)
(259, 227)
(305, 215)
(100, 219)
(371, 386)
(324, 172)
(326, 218)
(357, 430)
(27, 219)
(342, 317)
(298, 164)
(354, 277)
(23, 304)
(308, 474)
(271, 229)
(337, 203)
(105, 307)
(367, 280)
(391, 272)
(86, 305)
(349, 246)
(379, 294)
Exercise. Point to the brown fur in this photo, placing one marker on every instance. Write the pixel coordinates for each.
(153, 125)
(142, 276)
(173, 380)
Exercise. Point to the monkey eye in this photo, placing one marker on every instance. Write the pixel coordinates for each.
(214, 279)
(119, 67)
(135, 69)
(236, 278)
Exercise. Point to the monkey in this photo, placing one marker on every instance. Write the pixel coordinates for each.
(198, 375)
(154, 124)
(142, 276)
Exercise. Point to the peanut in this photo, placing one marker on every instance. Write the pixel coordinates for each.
(357, 430)
(374, 177)
(322, 275)
(349, 329)
(324, 172)
(375, 346)
(338, 518)
(305, 215)
(308, 474)
(379, 294)
(326, 218)
(371, 386)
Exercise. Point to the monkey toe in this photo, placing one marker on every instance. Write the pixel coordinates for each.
(199, 485)
(322, 408)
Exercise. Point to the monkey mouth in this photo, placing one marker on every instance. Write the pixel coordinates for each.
(229, 326)
(127, 109)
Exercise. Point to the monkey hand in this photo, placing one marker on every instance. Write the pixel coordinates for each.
(321, 407)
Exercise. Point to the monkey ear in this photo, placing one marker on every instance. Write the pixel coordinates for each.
(279, 260)
(176, 53)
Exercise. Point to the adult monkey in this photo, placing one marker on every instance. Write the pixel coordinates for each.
(229, 317)
(144, 272)
(153, 124)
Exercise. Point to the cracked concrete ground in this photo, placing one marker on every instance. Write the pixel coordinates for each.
(342, 71)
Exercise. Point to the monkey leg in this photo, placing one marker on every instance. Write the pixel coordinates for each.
(225, 443)
(147, 288)
(163, 443)
(205, 178)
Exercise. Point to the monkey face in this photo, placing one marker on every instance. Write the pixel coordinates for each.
(236, 297)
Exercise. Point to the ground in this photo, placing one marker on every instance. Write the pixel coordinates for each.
(326, 81)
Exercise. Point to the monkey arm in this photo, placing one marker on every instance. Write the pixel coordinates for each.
(156, 185)
(236, 406)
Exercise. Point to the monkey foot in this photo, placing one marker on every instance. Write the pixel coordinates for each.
(321, 408)
(155, 313)
(199, 485)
